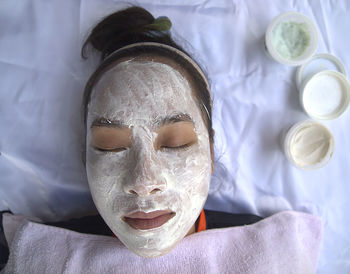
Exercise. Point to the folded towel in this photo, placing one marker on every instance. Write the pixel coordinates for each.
(287, 242)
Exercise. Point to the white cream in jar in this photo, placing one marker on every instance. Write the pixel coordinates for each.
(309, 145)
(325, 95)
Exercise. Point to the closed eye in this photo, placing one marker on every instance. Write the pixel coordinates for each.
(110, 140)
(185, 146)
(119, 149)
(176, 136)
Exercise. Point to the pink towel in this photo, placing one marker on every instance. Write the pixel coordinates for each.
(287, 242)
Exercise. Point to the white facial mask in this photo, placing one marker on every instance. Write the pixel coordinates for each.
(139, 93)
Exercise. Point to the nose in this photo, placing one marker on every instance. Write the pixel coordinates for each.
(145, 179)
(143, 191)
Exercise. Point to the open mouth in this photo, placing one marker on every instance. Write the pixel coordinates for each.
(143, 221)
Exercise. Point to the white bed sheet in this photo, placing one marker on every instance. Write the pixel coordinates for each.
(255, 100)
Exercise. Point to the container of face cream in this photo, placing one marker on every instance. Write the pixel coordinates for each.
(309, 145)
(324, 90)
(291, 39)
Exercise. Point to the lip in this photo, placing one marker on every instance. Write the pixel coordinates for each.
(142, 220)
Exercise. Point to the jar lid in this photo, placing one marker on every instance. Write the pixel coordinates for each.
(323, 86)
(317, 63)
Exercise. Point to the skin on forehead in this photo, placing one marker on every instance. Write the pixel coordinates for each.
(164, 100)
(155, 58)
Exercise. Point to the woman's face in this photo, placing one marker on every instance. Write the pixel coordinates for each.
(147, 150)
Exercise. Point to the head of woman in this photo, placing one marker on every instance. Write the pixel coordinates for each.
(149, 138)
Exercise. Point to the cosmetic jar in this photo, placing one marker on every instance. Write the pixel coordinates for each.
(309, 145)
(324, 90)
(291, 39)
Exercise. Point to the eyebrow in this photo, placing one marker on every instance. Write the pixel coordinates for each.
(162, 121)
(172, 119)
(104, 122)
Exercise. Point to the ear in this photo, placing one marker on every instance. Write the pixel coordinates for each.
(212, 153)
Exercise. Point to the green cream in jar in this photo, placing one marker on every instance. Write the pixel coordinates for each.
(290, 39)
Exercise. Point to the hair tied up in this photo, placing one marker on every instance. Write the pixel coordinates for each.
(125, 27)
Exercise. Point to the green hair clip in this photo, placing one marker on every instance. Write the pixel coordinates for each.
(162, 23)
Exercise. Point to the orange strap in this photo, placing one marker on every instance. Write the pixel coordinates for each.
(202, 224)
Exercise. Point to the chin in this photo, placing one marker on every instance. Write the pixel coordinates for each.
(153, 253)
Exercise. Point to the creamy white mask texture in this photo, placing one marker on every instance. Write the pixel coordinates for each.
(140, 93)
(310, 144)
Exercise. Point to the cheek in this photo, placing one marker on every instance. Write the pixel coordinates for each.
(189, 171)
(104, 171)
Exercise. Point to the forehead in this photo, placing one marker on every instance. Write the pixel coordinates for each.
(138, 89)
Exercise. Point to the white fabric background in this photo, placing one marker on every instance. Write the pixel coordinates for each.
(255, 101)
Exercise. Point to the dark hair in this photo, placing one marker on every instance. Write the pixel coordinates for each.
(130, 26)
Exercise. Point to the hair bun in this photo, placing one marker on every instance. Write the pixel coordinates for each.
(125, 27)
